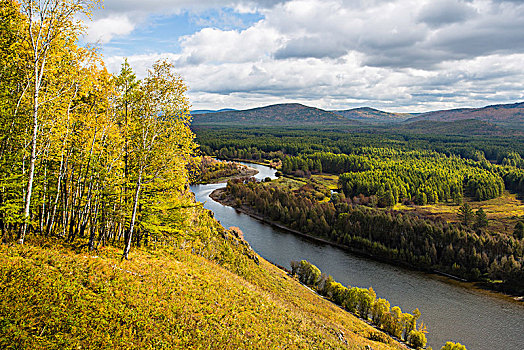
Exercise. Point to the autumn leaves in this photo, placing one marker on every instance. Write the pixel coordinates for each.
(84, 153)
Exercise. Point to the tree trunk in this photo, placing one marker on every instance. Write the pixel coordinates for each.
(32, 162)
(133, 217)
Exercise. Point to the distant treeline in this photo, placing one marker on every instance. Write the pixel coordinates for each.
(447, 167)
(468, 252)
(258, 143)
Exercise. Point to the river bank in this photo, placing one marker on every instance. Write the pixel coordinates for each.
(241, 171)
(452, 310)
(218, 195)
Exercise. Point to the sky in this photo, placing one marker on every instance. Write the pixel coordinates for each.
(394, 55)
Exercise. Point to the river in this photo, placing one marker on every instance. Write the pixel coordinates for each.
(478, 319)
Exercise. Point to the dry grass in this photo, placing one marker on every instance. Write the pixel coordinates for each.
(503, 212)
(54, 297)
(327, 180)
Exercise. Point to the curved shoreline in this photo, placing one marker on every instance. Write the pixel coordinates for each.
(248, 172)
(215, 195)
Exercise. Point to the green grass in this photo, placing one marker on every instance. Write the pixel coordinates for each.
(55, 297)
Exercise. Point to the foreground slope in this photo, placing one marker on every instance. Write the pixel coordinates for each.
(57, 297)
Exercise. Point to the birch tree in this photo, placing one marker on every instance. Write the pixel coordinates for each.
(160, 139)
(47, 22)
(13, 86)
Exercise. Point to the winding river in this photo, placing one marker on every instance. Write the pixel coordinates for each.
(478, 319)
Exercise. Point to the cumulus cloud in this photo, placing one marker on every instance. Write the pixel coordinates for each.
(403, 55)
(105, 29)
(214, 45)
(439, 13)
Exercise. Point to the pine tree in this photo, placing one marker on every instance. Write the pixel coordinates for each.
(466, 214)
(481, 220)
(519, 230)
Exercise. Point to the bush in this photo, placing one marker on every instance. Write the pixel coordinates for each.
(417, 339)
(452, 346)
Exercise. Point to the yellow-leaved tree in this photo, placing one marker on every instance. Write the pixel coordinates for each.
(160, 140)
(47, 22)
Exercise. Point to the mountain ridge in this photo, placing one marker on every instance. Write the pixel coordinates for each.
(293, 114)
(373, 115)
(504, 114)
(277, 114)
(207, 111)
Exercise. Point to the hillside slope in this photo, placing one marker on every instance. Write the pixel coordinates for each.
(470, 127)
(289, 114)
(57, 297)
(371, 115)
(504, 114)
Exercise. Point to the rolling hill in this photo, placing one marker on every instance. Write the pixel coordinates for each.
(503, 114)
(371, 115)
(289, 114)
(490, 120)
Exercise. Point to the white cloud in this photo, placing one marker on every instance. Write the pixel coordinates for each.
(175, 6)
(105, 29)
(218, 46)
(401, 55)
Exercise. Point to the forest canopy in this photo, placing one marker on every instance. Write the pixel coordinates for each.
(85, 153)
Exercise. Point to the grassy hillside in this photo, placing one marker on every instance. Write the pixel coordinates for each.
(57, 297)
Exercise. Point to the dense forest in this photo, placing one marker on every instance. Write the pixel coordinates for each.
(374, 155)
(394, 176)
(467, 249)
(375, 171)
(266, 143)
(85, 153)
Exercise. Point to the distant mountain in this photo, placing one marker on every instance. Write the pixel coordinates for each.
(494, 118)
(371, 115)
(289, 114)
(504, 114)
(206, 111)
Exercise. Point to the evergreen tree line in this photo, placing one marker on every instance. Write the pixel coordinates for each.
(468, 252)
(394, 176)
(294, 141)
(364, 303)
(84, 153)
(514, 180)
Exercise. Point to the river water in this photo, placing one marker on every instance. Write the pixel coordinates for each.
(477, 319)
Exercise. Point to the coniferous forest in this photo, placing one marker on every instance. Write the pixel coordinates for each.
(380, 175)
